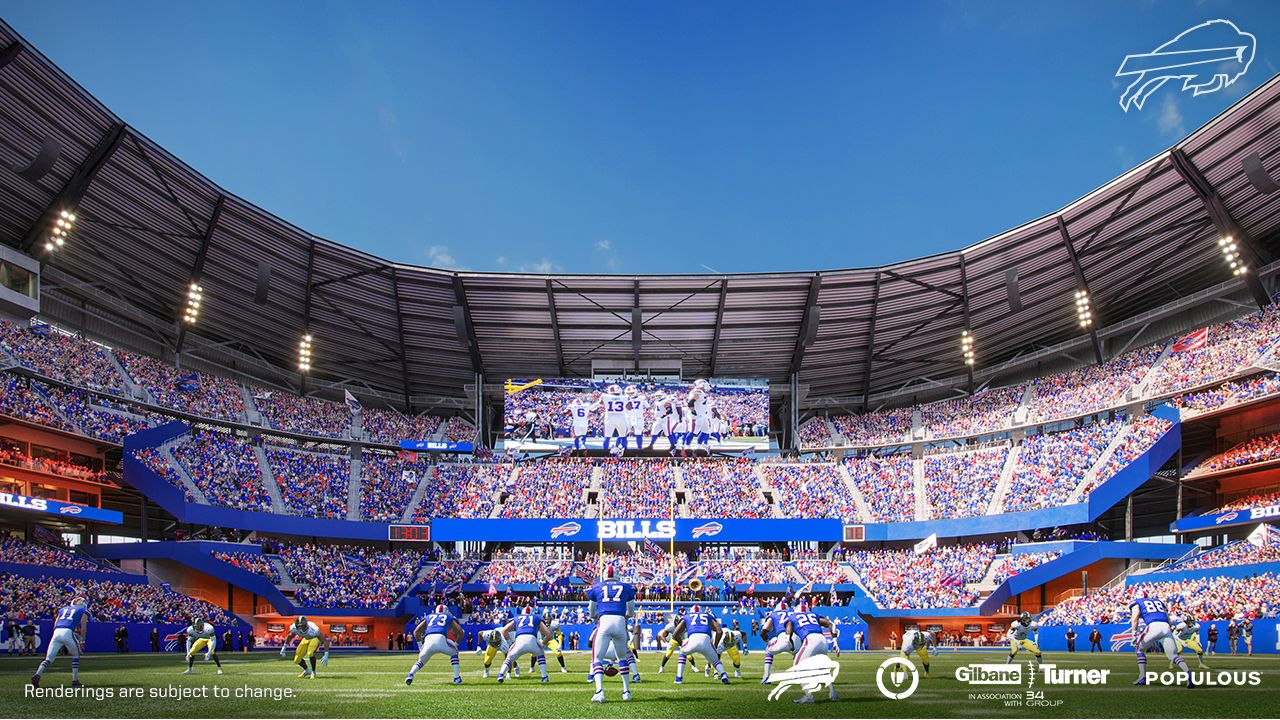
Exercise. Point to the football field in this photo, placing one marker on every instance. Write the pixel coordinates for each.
(264, 685)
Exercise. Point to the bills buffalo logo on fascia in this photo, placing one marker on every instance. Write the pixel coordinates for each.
(710, 529)
(69, 510)
(568, 529)
(1226, 518)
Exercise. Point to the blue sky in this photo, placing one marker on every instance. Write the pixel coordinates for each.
(643, 137)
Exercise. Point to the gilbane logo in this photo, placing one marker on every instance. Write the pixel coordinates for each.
(635, 529)
(989, 674)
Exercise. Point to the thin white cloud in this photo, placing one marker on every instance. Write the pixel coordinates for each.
(440, 256)
(542, 266)
(1170, 119)
(603, 245)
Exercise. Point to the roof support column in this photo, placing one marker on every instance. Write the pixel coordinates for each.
(1256, 257)
(715, 336)
(871, 346)
(197, 268)
(1084, 285)
(404, 357)
(964, 297)
(78, 185)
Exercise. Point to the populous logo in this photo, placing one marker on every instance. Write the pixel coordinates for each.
(568, 529)
(635, 529)
(710, 529)
(1226, 518)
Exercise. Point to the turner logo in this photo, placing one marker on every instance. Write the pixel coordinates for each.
(711, 529)
(1206, 58)
(635, 529)
(568, 529)
(1226, 518)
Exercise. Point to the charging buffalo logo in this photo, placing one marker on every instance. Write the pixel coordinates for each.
(1207, 58)
(811, 674)
(568, 529)
(708, 530)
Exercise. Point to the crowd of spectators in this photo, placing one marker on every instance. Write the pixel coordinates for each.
(446, 573)
(637, 566)
(211, 396)
(887, 485)
(461, 491)
(882, 427)
(392, 426)
(1052, 465)
(723, 489)
(60, 356)
(1256, 450)
(1210, 598)
(13, 550)
(962, 484)
(935, 578)
(457, 429)
(1230, 347)
(551, 488)
(810, 490)
(505, 572)
(350, 576)
(821, 571)
(223, 467)
(637, 488)
(1252, 500)
(19, 400)
(42, 597)
(96, 417)
(11, 454)
(1241, 552)
(815, 433)
(1091, 388)
(250, 562)
(1139, 435)
(387, 483)
(310, 416)
(1006, 566)
(748, 572)
(987, 411)
(311, 483)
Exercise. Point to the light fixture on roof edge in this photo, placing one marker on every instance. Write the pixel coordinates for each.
(304, 353)
(966, 347)
(62, 226)
(1084, 309)
(195, 294)
(1231, 253)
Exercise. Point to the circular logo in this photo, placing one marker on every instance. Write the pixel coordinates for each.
(901, 676)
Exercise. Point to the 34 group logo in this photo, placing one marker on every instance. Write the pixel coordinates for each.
(897, 678)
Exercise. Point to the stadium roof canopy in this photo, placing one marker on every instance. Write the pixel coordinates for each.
(148, 224)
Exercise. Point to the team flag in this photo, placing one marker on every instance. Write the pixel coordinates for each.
(752, 590)
(38, 327)
(653, 548)
(352, 403)
(1194, 341)
(188, 382)
(493, 589)
(803, 589)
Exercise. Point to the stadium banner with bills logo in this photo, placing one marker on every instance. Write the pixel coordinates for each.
(589, 529)
(1266, 513)
(437, 446)
(1119, 637)
(71, 511)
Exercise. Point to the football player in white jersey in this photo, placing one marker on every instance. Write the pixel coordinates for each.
(636, 405)
(1187, 632)
(614, 402)
(727, 644)
(580, 420)
(918, 641)
(701, 404)
(201, 636)
(1019, 636)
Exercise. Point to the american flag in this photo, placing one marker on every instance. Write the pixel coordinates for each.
(1194, 341)
(952, 580)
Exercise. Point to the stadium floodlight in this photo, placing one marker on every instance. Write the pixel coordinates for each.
(966, 346)
(1231, 254)
(304, 353)
(1084, 309)
(62, 226)
(195, 293)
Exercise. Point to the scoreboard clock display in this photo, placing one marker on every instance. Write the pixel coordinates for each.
(409, 533)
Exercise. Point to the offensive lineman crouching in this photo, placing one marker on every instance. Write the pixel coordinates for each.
(201, 636)
(432, 635)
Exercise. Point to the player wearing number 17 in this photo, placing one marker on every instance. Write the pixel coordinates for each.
(611, 603)
(71, 623)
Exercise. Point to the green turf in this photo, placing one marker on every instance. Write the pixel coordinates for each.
(373, 686)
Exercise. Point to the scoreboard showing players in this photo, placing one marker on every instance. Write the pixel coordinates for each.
(634, 416)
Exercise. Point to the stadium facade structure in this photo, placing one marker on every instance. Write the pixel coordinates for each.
(1144, 246)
